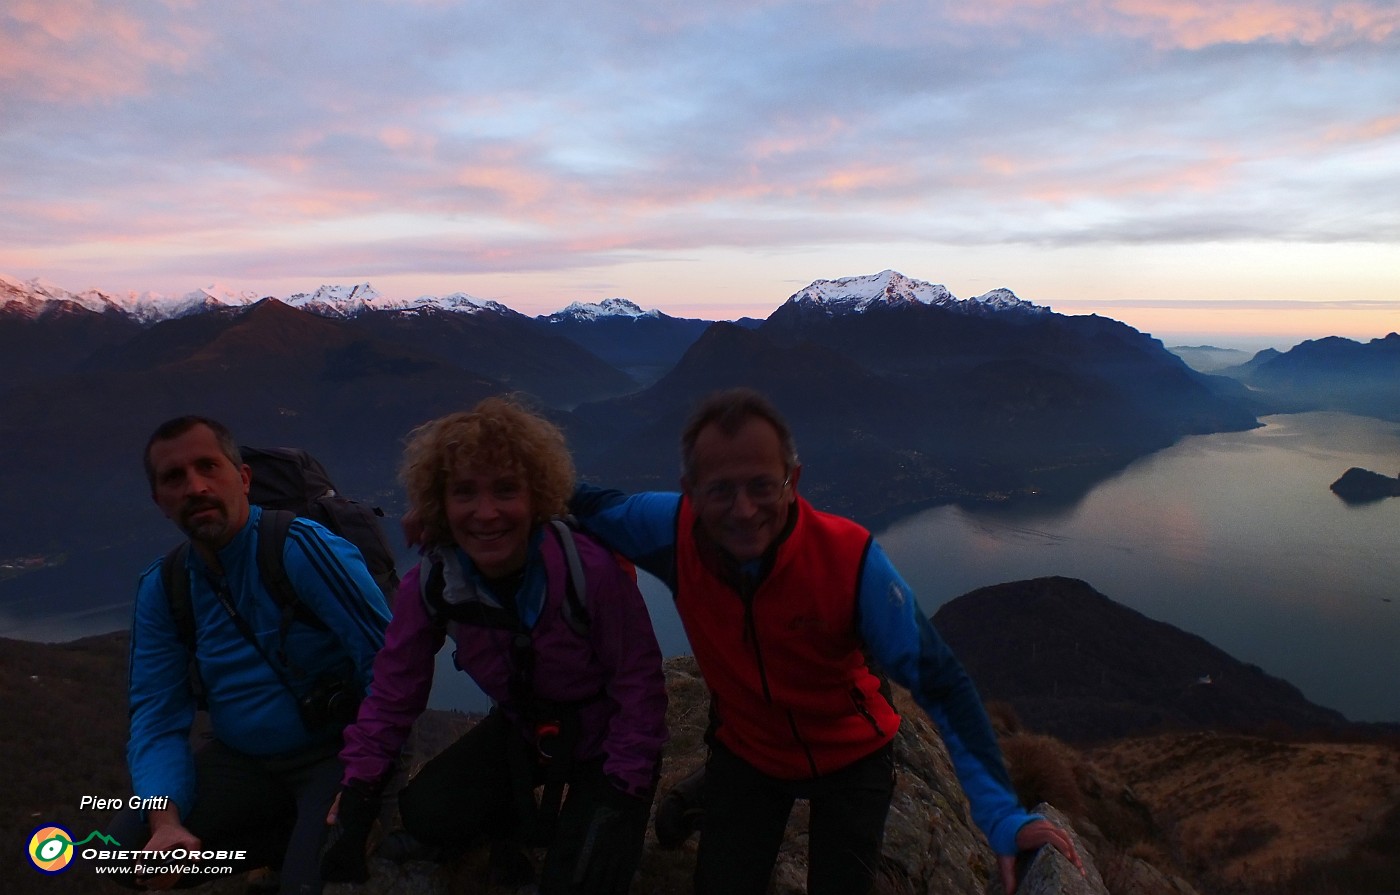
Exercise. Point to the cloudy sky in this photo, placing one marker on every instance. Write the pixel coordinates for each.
(1211, 168)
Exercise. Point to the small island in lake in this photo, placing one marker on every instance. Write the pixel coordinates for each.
(1359, 485)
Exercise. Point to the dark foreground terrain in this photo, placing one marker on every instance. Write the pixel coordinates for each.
(1198, 808)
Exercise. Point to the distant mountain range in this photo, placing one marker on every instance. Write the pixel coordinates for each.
(1326, 374)
(900, 394)
(1209, 358)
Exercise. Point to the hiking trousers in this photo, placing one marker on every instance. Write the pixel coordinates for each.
(746, 814)
(471, 792)
(273, 808)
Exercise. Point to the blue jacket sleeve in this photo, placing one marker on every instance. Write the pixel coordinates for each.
(330, 576)
(904, 643)
(161, 704)
(642, 526)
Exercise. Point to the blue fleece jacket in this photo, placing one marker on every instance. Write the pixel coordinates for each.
(250, 709)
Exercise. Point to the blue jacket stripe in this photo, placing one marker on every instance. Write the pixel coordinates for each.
(338, 582)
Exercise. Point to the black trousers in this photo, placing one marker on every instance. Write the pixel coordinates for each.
(274, 808)
(746, 814)
(468, 793)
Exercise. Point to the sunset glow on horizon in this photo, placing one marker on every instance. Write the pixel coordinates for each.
(1221, 173)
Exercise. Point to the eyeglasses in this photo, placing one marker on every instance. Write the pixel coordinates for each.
(763, 492)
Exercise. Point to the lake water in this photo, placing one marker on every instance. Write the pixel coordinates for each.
(1233, 537)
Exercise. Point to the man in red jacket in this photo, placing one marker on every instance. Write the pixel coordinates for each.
(794, 617)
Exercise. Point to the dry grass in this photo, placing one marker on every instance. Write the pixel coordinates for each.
(1248, 814)
(1043, 770)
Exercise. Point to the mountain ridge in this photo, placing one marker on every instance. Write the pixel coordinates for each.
(842, 295)
(1079, 666)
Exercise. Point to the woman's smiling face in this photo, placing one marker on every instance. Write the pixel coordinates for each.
(490, 517)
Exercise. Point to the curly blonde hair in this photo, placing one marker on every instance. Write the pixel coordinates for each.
(497, 434)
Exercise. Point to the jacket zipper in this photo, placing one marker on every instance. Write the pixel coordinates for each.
(751, 636)
(858, 699)
(746, 595)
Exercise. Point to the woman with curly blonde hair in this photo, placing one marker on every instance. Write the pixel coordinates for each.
(551, 628)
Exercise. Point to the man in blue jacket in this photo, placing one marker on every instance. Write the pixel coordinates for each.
(279, 688)
(794, 616)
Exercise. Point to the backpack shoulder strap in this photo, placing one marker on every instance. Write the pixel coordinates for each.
(175, 580)
(576, 587)
(432, 582)
(273, 529)
(272, 541)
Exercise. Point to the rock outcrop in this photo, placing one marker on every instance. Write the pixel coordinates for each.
(1359, 485)
(931, 845)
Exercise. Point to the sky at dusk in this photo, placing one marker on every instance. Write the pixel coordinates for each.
(1221, 171)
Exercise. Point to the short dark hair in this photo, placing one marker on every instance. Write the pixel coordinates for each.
(172, 429)
(730, 410)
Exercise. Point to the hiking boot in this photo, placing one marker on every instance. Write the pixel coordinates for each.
(681, 810)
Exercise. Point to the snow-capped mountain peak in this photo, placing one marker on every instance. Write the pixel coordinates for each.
(890, 288)
(609, 307)
(460, 303)
(35, 297)
(857, 294)
(1005, 300)
(336, 296)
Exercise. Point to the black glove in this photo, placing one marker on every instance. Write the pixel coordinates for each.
(343, 858)
(612, 843)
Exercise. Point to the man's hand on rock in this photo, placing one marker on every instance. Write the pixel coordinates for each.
(1031, 837)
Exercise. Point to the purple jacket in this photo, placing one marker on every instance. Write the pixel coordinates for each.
(618, 659)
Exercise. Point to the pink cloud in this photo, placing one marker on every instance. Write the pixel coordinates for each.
(1193, 25)
(1063, 180)
(858, 178)
(402, 139)
(83, 51)
(519, 187)
(1365, 132)
(801, 136)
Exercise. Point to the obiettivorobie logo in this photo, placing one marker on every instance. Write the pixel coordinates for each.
(51, 847)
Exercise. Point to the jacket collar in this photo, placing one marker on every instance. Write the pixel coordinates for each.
(464, 584)
(745, 577)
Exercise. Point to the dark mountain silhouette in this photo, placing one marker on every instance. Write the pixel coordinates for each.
(275, 375)
(906, 404)
(511, 348)
(1084, 372)
(645, 344)
(1327, 374)
(844, 418)
(54, 338)
(1077, 665)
